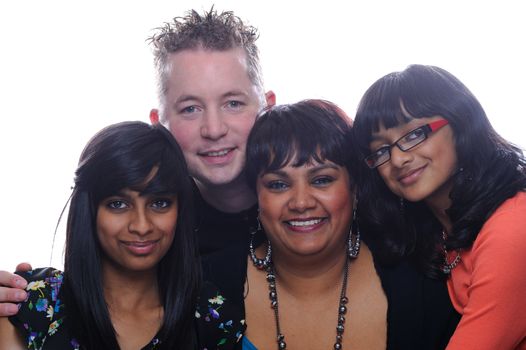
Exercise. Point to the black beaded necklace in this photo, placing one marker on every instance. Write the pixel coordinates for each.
(342, 308)
(448, 266)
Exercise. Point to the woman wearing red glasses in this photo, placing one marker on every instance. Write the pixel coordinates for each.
(440, 185)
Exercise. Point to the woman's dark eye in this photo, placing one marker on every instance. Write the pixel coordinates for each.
(323, 180)
(414, 135)
(117, 205)
(161, 203)
(276, 185)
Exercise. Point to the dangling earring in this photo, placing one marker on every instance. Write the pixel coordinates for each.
(266, 261)
(353, 246)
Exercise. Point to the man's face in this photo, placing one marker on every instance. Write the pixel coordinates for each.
(210, 107)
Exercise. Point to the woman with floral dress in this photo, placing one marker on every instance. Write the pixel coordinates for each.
(131, 273)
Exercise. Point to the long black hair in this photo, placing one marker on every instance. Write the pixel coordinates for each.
(490, 169)
(122, 156)
(309, 130)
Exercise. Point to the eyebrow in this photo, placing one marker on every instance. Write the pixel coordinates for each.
(121, 194)
(313, 170)
(185, 98)
(235, 93)
(321, 167)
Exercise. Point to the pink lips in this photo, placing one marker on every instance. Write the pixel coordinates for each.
(140, 248)
(411, 176)
(218, 156)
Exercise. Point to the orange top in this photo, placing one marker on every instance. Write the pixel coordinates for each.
(488, 287)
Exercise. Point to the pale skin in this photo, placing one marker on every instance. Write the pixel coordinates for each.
(210, 103)
(309, 261)
(210, 107)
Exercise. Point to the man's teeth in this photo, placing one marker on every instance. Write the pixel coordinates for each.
(305, 223)
(217, 153)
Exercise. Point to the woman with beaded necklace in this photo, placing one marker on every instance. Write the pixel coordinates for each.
(453, 192)
(315, 284)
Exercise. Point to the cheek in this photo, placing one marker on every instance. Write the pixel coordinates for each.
(384, 174)
(340, 206)
(244, 125)
(104, 228)
(269, 208)
(167, 223)
(185, 133)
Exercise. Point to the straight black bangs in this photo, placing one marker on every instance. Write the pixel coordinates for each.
(124, 155)
(297, 134)
(417, 92)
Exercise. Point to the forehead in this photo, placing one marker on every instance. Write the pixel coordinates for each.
(206, 72)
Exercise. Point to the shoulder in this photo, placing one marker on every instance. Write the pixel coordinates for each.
(226, 269)
(45, 275)
(41, 314)
(511, 206)
(221, 320)
(221, 309)
(420, 313)
(505, 229)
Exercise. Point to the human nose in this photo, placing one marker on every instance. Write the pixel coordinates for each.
(301, 199)
(398, 157)
(213, 127)
(140, 222)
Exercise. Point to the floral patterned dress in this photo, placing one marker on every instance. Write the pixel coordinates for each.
(43, 322)
(41, 317)
(221, 324)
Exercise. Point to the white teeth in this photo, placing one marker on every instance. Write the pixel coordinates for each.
(217, 154)
(305, 223)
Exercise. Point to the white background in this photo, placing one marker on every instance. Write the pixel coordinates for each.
(68, 68)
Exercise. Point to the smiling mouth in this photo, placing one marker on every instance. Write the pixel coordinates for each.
(304, 223)
(220, 153)
(140, 244)
(140, 247)
(411, 176)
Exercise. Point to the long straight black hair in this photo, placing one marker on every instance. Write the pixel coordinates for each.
(490, 169)
(122, 156)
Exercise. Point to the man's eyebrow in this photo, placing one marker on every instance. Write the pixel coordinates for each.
(185, 98)
(235, 93)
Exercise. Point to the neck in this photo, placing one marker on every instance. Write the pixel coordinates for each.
(309, 277)
(233, 197)
(125, 291)
(438, 203)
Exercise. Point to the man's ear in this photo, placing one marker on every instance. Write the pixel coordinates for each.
(154, 116)
(270, 96)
